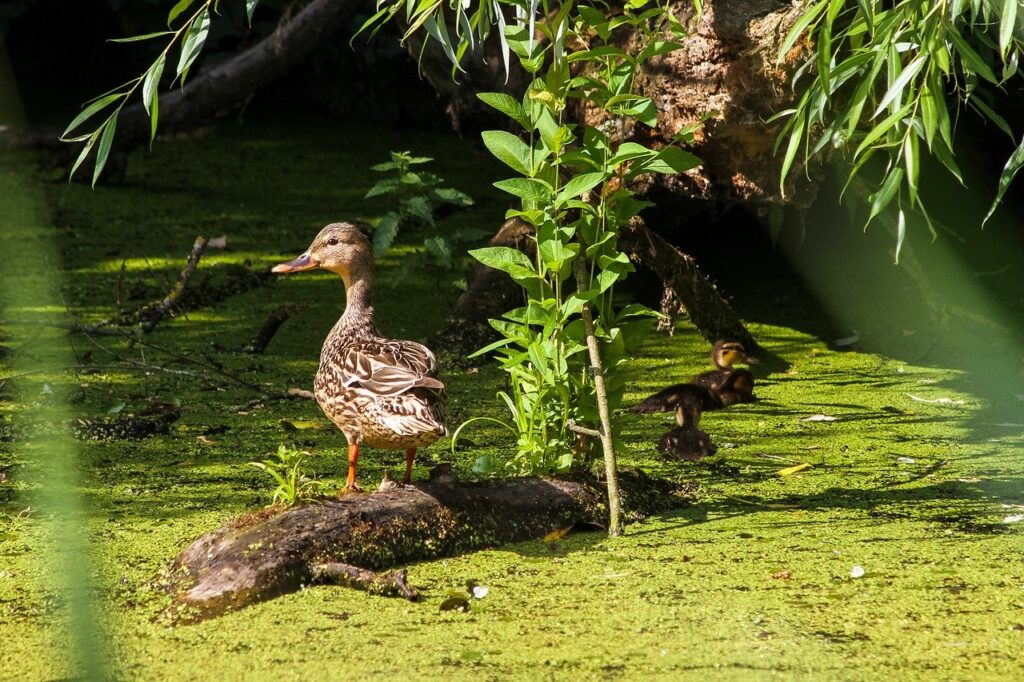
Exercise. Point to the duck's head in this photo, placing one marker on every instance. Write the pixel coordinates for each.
(341, 248)
(725, 354)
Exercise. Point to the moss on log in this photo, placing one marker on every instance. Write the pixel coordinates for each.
(238, 565)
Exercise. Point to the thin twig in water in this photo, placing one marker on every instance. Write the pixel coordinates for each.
(273, 322)
(152, 316)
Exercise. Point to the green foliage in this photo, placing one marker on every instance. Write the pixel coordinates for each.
(190, 35)
(886, 81)
(292, 485)
(419, 194)
(570, 185)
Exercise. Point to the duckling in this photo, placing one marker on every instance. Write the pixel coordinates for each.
(670, 398)
(714, 390)
(724, 354)
(686, 441)
(736, 387)
(381, 392)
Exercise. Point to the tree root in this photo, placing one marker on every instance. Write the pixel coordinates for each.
(710, 313)
(390, 584)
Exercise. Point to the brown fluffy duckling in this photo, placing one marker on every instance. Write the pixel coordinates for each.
(380, 392)
(735, 386)
(686, 441)
(668, 399)
(724, 354)
(713, 390)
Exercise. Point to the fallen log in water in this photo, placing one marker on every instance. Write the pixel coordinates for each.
(346, 540)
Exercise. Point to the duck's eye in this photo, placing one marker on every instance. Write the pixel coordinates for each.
(333, 241)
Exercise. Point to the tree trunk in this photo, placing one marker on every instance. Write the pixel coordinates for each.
(231, 82)
(710, 313)
(347, 539)
(728, 69)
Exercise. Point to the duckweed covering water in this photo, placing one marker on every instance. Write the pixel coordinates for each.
(752, 580)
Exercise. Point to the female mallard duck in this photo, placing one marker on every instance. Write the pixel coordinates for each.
(686, 441)
(712, 390)
(380, 392)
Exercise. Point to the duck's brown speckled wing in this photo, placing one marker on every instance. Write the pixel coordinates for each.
(388, 368)
(420, 412)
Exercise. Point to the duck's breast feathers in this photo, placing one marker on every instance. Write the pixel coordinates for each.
(388, 368)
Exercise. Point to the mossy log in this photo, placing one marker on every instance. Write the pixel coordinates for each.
(240, 564)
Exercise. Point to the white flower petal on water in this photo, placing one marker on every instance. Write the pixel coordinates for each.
(1013, 518)
(480, 591)
(857, 571)
(820, 418)
(905, 460)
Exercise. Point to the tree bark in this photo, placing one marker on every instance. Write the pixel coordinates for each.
(347, 539)
(231, 82)
(710, 313)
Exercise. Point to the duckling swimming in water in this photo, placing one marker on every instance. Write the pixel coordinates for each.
(724, 355)
(713, 390)
(686, 441)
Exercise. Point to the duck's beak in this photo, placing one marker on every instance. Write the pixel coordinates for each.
(751, 360)
(303, 262)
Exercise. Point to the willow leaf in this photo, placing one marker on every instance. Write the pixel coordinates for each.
(1007, 22)
(1013, 164)
(103, 150)
(895, 91)
(145, 36)
(194, 40)
(91, 110)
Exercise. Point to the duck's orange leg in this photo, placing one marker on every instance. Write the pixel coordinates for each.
(410, 455)
(353, 459)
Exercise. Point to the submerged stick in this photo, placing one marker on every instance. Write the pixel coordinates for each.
(152, 314)
(390, 584)
(270, 326)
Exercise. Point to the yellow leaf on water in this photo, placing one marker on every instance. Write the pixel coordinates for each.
(557, 534)
(792, 470)
(301, 425)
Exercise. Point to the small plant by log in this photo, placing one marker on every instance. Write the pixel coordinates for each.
(347, 540)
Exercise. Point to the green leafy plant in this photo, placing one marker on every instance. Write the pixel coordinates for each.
(886, 81)
(292, 485)
(419, 195)
(563, 350)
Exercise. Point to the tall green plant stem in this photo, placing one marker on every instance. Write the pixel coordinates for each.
(611, 470)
